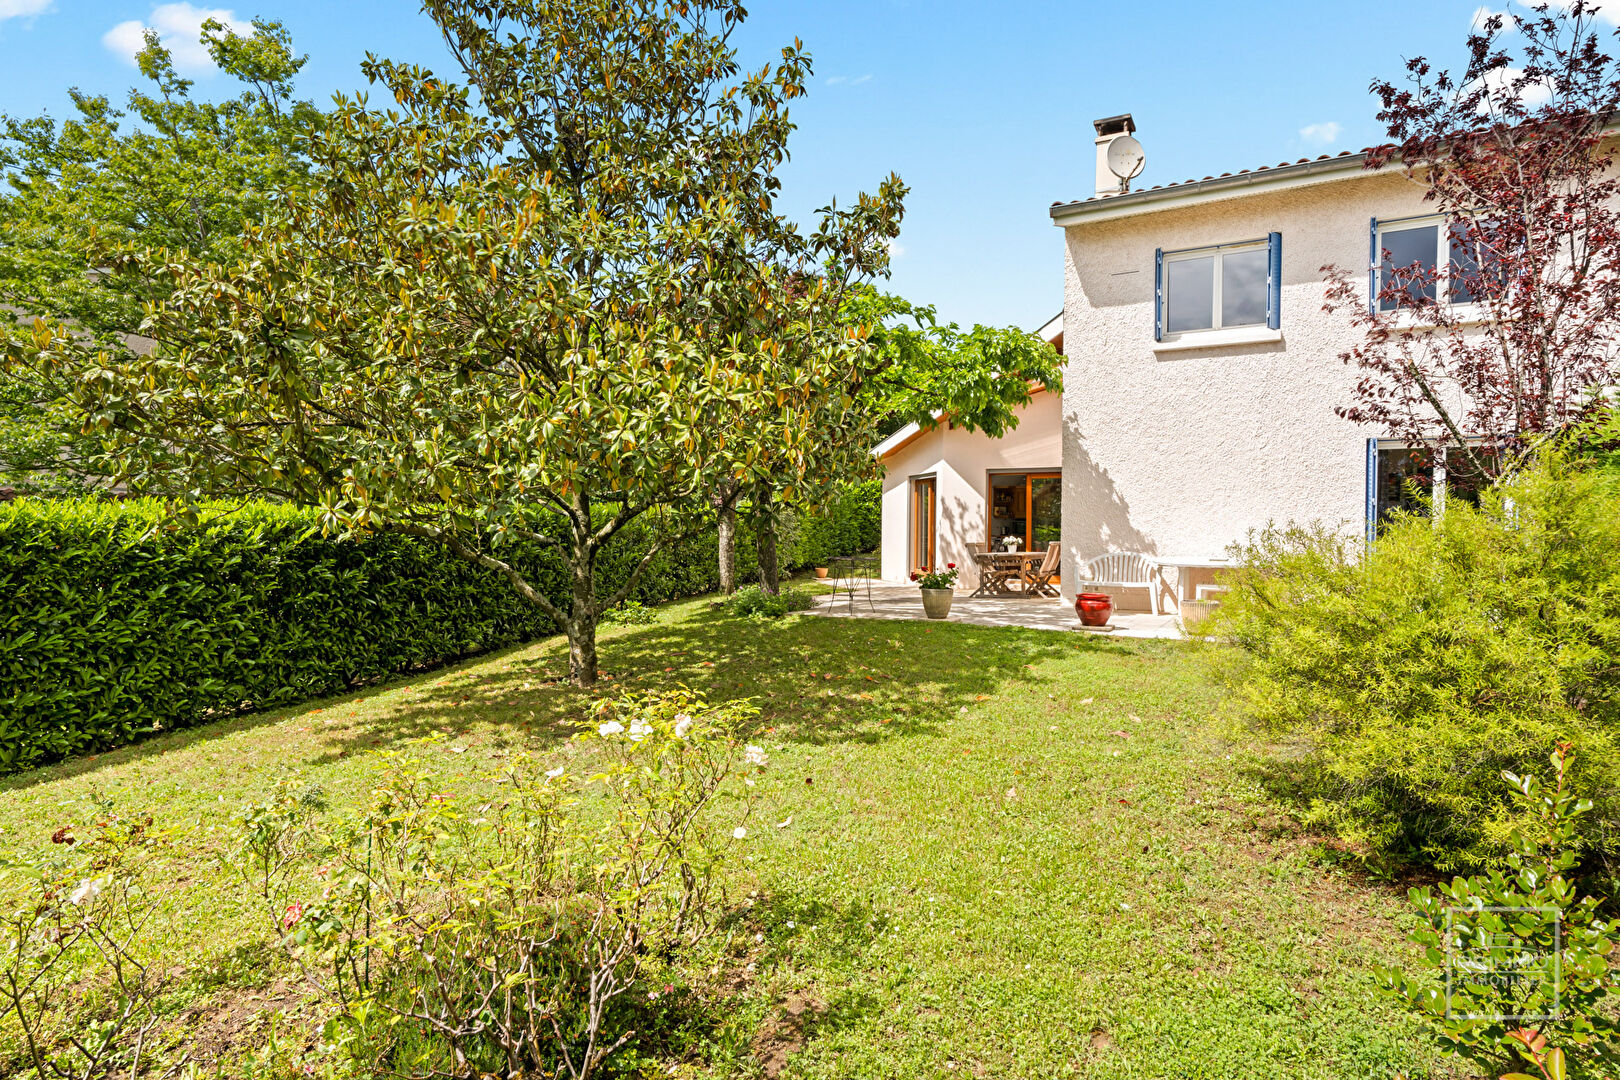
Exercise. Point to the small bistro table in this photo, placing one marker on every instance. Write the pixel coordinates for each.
(1181, 563)
(845, 569)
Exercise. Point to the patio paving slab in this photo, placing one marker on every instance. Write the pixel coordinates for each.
(895, 601)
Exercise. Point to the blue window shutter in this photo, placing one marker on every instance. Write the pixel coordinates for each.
(1158, 294)
(1372, 490)
(1274, 281)
(1372, 268)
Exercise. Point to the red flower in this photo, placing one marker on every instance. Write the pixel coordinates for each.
(914, 575)
(950, 566)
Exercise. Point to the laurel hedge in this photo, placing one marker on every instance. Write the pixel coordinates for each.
(114, 627)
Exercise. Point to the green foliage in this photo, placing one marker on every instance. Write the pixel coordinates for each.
(505, 938)
(979, 377)
(1453, 650)
(850, 521)
(1516, 961)
(118, 622)
(631, 613)
(165, 172)
(751, 601)
(521, 307)
(81, 981)
(935, 578)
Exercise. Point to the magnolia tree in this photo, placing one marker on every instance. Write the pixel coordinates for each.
(1511, 332)
(519, 309)
(165, 170)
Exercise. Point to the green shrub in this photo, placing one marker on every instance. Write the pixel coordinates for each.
(1516, 962)
(116, 623)
(521, 937)
(1453, 651)
(850, 523)
(751, 601)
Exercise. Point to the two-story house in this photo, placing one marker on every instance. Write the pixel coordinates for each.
(1202, 372)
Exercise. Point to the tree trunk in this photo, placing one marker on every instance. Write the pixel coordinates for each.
(770, 574)
(725, 501)
(581, 623)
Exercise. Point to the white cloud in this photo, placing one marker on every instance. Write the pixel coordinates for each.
(836, 80)
(1323, 134)
(1501, 89)
(16, 9)
(896, 248)
(1608, 11)
(180, 27)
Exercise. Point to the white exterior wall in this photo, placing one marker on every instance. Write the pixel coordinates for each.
(1183, 453)
(961, 463)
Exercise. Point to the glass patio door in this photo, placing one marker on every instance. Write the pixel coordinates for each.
(1045, 509)
(922, 523)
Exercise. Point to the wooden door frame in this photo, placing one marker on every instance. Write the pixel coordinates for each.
(917, 482)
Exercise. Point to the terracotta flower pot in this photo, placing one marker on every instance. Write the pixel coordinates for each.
(1094, 608)
(821, 571)
(937, 602)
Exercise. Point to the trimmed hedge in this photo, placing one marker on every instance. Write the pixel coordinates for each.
(851, 523)
(112, 628)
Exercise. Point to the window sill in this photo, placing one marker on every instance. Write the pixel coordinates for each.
(1467, 316)
(1216, 339)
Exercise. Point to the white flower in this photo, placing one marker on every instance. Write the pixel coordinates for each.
(683, 724)
(87, 891)
(738, 833)
(755, 755)
(612, 727)
(639, 729)
(552, 774)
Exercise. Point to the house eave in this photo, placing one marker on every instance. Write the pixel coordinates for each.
(1279, 178)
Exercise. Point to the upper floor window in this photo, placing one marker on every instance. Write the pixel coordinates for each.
(1219, 288)
(1423, 259)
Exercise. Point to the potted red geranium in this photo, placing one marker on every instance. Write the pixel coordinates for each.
(938, 587)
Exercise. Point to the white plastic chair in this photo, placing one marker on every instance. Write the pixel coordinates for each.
(1124, 570)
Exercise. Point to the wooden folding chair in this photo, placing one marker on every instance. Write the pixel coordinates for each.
(1039, 580)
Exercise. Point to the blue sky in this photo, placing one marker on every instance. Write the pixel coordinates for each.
(984, 108)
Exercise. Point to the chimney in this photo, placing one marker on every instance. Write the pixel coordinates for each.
(1110, 128)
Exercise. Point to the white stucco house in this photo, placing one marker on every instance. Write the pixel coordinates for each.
(1201, 375)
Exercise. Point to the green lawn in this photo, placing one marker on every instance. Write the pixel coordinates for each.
(1011, 853)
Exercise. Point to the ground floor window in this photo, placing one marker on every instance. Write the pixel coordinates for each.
(1412, 478)
(1025, 508)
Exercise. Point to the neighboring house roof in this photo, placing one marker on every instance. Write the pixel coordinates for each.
(1051, 331)
(1227, 185)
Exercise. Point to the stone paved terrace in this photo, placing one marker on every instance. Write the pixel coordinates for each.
(895, 601)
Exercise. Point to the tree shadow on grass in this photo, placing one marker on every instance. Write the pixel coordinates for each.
(814, 680)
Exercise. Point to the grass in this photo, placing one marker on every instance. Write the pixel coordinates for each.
(1006, 853)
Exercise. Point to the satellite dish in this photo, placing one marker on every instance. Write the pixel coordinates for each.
(1125, 159)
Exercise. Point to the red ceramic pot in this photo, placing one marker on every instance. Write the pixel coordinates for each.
(1094, 608)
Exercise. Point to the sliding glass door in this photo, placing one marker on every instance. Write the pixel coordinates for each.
(1026, 510)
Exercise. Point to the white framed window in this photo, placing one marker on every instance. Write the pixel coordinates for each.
(1224, 287)
(1422, 258)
